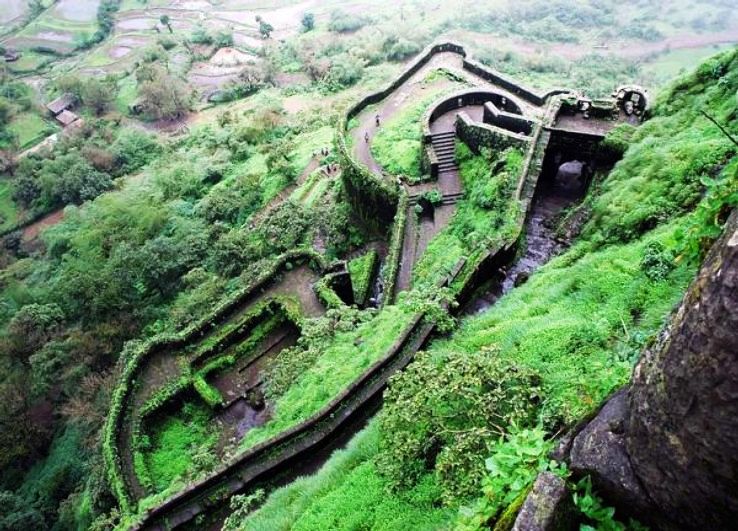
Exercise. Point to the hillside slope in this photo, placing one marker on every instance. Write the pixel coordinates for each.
(567, 339)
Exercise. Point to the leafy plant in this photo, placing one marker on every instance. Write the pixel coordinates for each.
(515, 461)
(599, 516)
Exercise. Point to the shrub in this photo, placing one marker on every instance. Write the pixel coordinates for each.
(441, 412)
(657, 262)
(308, 22)
(344, 22)
(515, 461)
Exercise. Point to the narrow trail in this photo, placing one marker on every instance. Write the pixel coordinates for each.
(286, 192)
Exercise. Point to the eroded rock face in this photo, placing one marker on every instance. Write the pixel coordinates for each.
(599, 450)
(548, 506)
(682, 427)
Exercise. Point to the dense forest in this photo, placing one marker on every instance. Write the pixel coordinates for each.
(226, 240)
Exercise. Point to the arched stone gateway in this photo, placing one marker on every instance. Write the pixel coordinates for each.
(632, 100)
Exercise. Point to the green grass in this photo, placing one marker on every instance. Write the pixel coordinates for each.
(578, 323)
(308, 143)
(30, 128)
(127, 94)
(362, 270)
(29, 62)
(317, 191)
(176, 441)
(8, 209)
(397, 145)
(485, 215)
(348, 356)
(348, 493)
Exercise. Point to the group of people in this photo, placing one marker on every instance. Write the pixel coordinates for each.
(332, 167)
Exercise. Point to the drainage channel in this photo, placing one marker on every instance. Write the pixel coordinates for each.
(553, 197)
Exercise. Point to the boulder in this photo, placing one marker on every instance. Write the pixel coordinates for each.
(548, 506)
(599, 451)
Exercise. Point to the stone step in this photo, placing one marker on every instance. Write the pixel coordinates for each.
(438, 143)
(448, 199)
(447, 134)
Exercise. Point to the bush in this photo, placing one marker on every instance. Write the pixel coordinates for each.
(400, 49)
(344, 22)
(133, 149)
(345, 70)
(657, 262)
(515, 461)
(441, 412)
(308, 22)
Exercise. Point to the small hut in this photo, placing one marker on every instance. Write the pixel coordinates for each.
(66, 118)
(62, 103)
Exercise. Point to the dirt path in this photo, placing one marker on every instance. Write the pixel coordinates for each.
(33, 230)
(286, 192)
(395, 102)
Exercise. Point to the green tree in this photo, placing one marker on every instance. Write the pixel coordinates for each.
(164, 19)
(15, 513)
(35, 8)
(265, 29)
(308, 22)
(32, 326)
(98, 95)
(163, 96)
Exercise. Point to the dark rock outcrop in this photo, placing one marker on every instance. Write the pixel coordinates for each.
(682, 429)
(665, 450)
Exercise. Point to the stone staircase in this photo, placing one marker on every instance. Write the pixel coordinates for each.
(444, 146)
(450, 199)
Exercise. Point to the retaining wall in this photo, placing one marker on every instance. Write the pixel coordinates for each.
(135, 356)
(429, 161)
(392, 262)
(493, 115)
(479, 135)
(498, 78)
(464, 98)
(265, 457)
(373, 197)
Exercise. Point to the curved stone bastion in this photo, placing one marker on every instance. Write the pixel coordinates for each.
(492, 114)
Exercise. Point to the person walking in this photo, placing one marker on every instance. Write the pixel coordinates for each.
(366, 137)
(376, 119)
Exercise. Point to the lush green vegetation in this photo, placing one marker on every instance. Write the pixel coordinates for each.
(566, 338)
(338, 358)
(362, 271)
(161, 226)
(347, 493)
(180, 445)
(396, 147)
(485, 216)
